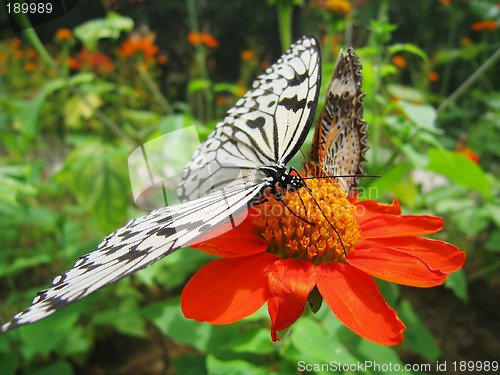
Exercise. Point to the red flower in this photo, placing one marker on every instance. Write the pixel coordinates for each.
(96, 61)
(277, 258)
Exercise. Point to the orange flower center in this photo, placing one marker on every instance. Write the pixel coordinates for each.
(333, 235)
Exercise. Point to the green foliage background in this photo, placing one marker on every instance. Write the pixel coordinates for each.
(66, 133)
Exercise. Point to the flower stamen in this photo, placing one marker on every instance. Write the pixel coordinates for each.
(318, 227)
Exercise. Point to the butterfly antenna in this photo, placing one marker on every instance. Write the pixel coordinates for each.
(343, 176)
(294, 213)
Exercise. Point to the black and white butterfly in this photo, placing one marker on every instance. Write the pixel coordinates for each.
(236, 167)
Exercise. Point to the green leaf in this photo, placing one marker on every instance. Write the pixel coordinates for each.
(406, 93)
(13, 181)
(459, 169)
(143, 117)
(493, 212)
(227, 87)
(314, 345)
(197, 85)
(26, 113)
(417, 335)
(60, 367)
(48, 334)
(110, 27)
(167, 317)
(20, 264)
(97, 175)
(255, 340)
(379, 359)
(80, 107)
(493, 243)
(8, 364)
(240, 367)
(192, 364)
(388, 181)
(424, 116)
(77, 342)
(128, 321)
(457, 282)
(174, 270)
(390, 291)
(410, 48)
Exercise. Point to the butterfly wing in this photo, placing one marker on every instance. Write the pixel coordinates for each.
(339, 142)
(267, 125)
(138, 244)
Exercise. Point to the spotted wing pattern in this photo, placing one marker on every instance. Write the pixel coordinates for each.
(266, 126)
(258, 136)
(339, 142)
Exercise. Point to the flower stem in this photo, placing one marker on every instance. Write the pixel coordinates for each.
(470, 81)
(200, 58)
(153, 88)
(285, 13)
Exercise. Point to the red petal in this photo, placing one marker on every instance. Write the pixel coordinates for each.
(235, 243)
(366, 210)
(290, 282)
(385, 226)
(355, 300)
(395, 266)
(228, 289)
(438, 255)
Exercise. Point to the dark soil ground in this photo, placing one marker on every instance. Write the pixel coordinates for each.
(465, 331)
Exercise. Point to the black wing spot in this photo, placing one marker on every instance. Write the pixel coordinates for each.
(293, 104)
(298, 79)
(258, 123)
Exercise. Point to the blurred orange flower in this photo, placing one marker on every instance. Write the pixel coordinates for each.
(139, 45)
(202, 38)
(445, 2)
(221, 100)
(399, 61)
(2, 57)
(15, 42)
(339, 7)
(465, 41)
(64, 35)
(162, 59)
(489, 25)
(73, 63)
(31, 53)
(248, 55)
(30, 66)
(433, 76)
